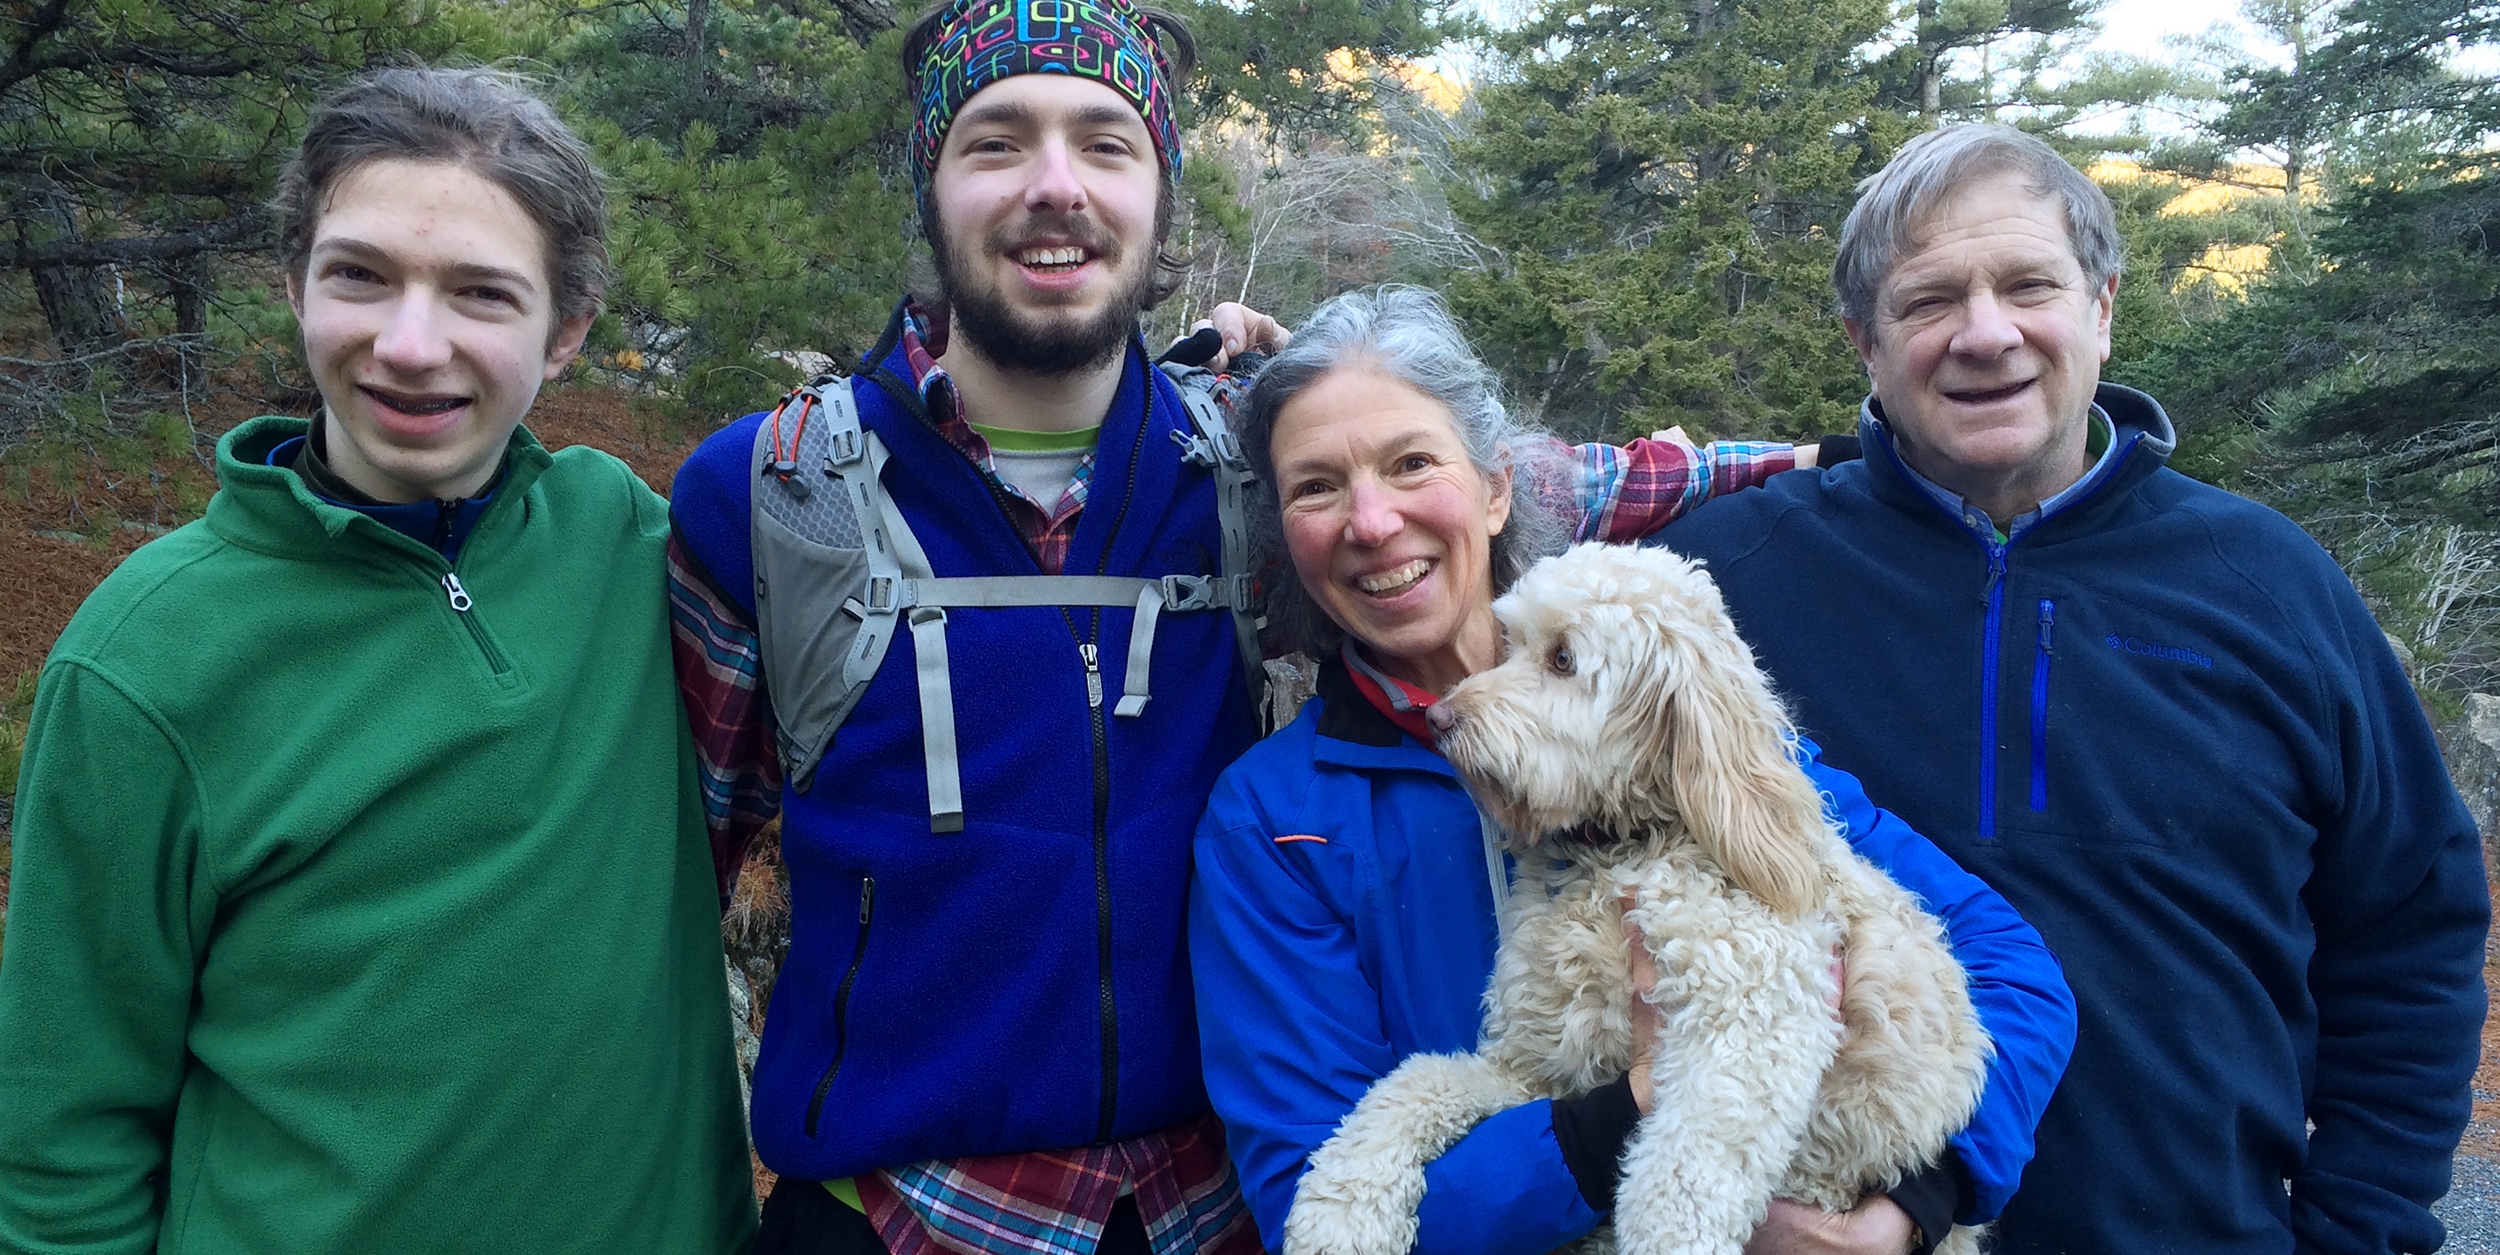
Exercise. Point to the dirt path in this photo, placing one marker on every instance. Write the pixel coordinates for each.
(2472, 1208)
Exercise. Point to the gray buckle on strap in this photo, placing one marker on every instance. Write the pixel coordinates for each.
(1171, 593)
(843, 448)
(1220, 448)
(1194, 592)
(881, 598)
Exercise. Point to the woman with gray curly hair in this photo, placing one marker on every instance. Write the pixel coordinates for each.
(1342, 915)
(1397, 347)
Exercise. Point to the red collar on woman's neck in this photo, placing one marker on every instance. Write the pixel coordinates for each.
(1402, 703)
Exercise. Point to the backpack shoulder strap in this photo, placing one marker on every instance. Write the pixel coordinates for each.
(1215, 447)
(826, 580)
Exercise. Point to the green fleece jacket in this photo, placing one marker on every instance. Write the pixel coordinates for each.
(348, 920)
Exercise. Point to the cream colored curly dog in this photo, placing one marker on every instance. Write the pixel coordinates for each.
(1631, 741)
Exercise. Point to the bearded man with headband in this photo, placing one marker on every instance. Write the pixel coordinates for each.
(983, 1037)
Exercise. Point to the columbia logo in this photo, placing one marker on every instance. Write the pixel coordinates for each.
(2154, 649)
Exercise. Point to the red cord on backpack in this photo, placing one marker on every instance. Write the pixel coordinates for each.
(786, 461)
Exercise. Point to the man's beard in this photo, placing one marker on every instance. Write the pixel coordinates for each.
(1051, 343)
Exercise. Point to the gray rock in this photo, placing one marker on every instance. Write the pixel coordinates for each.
(2471, 743)
(1291, 681)
(741, 1028)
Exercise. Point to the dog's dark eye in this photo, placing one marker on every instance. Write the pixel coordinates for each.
(1560, 662)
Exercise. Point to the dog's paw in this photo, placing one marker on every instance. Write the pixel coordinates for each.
(1334, 1216)
(1366, 1181)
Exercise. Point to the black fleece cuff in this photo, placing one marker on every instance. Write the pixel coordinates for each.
(1933, 1196)
(1592, 1130)
(1834, 450)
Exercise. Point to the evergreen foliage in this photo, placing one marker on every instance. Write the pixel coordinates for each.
(1298, 66)
(2363, 74)
(762, 204)
(2357, 387)
(2364, 400)
(2015, 38)
(139, 143)
(139, 140)
(1666, 179)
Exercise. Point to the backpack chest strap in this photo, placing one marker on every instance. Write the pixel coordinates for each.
(1171, 592)
(923, 599)
(826, 529)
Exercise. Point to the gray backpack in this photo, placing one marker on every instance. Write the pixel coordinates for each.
(837, 570)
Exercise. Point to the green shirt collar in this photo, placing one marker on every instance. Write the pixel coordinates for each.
(1018, 440)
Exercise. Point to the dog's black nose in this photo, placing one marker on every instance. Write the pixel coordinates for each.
(1440, 716)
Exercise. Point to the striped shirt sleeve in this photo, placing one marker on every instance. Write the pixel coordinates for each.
(720, 677)
(1626, 492)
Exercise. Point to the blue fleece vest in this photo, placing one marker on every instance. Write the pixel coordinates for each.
(2162, 724)
(1019, 985)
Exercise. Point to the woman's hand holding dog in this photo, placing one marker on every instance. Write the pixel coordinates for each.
(1876, 1226)
(1644, 1012)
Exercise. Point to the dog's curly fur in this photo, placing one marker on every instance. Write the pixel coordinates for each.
(1631, 742)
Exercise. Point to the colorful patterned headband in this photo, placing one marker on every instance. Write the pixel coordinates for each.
(982, 41)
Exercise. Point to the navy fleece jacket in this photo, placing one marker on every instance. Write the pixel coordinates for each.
(2160, 721)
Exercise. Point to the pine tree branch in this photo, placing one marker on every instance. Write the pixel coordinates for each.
(28, 64)
(243, 233)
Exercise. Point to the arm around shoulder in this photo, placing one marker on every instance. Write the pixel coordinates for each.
(111, 907)
(1629, 492)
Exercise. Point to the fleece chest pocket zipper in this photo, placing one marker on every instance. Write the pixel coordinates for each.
(842, 1002)
(2043, 652)
(1992, 603)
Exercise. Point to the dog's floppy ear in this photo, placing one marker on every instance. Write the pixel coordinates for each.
(1735, 786)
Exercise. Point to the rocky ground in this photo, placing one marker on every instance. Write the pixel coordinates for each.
(2472, 1208)
(58, 540)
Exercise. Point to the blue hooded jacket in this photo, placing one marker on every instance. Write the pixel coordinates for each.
(2160, 721)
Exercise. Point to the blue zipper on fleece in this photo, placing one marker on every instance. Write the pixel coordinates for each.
(2040, 708)
(1990, 654)
(1988, 691)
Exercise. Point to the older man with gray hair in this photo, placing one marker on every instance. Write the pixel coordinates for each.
(2152, 714)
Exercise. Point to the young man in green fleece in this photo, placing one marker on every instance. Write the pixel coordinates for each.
(362, 895)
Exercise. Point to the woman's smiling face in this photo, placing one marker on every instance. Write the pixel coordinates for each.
(429, 323)
(1389, 522)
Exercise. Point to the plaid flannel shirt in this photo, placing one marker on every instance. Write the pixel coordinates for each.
(1055, 1202)
(1045, 529)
